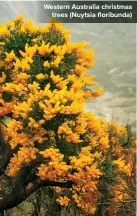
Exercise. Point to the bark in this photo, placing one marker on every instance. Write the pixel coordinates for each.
(2, 213)
(6, 153)
(19, 194)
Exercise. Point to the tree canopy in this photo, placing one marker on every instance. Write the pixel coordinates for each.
(49, 140)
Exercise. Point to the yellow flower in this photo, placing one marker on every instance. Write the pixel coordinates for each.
(74, 137)
(64, 201)
(44, 49)
(40, 76)
(24, 155)
(57, 61)
(3, 30)
(46, 64)
(3, 77)
(121, 166)
(56, 79)
(104, 141)
(19, 18)
(10, 24)
(28, 26)
(10, 56)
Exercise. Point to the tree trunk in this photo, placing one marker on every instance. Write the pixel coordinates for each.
(2, 213)
(1, 187)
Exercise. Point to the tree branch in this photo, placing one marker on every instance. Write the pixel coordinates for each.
(2, 141)
(5, 158)
(18, 194)
(6, 153)
(45, 183)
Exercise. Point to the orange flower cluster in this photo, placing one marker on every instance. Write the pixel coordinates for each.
(63, 201)
(55, 168)
(24, 155)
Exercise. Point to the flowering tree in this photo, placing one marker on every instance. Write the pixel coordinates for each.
(49, 139)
